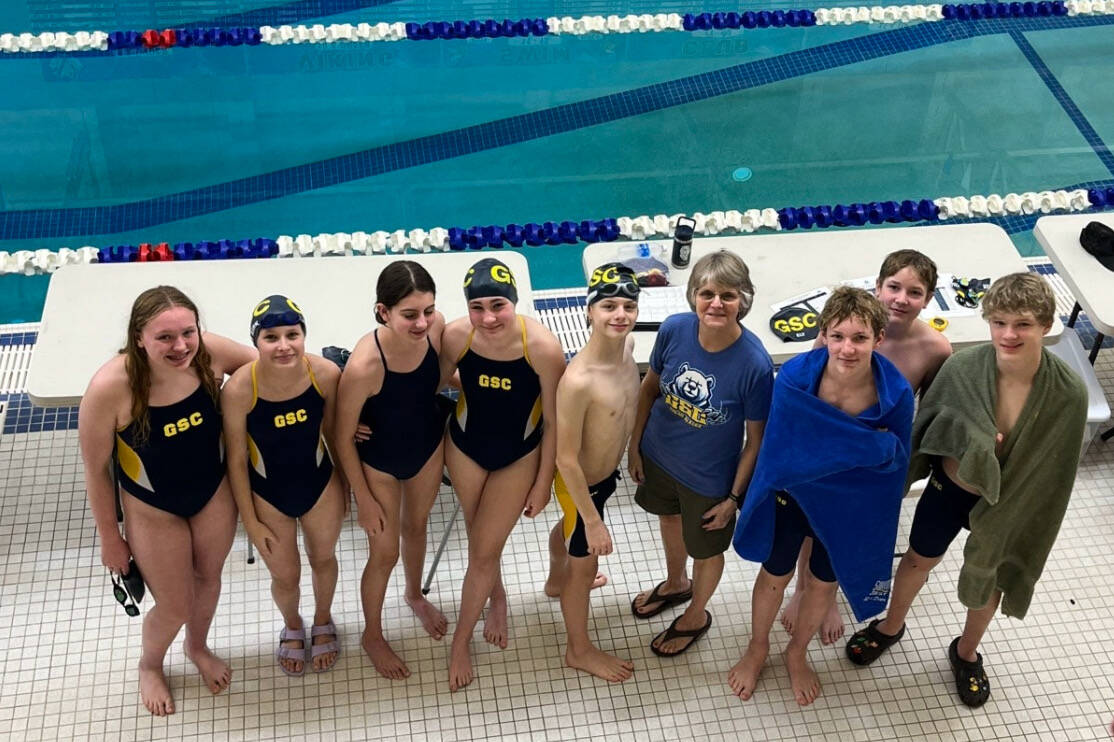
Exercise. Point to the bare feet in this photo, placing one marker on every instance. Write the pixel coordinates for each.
(601, 664)
(460, 666)
(387, 663)
(214, 671)
(495, 627)
(433, 620)
(743, 677)
(831, 629)
(789, 614)
(553, 590)
(154, 692)
(806, 684)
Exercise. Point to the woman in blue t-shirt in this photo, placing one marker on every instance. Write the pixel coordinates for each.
(701, 412)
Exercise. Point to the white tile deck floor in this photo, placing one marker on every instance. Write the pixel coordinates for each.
(69, 653)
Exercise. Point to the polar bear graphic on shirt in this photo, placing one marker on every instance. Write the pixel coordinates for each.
(689, 396)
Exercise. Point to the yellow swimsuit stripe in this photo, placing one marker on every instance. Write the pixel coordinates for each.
(312, 378)
(256, 458)
(466, 345)
(322, 446)
(254, 387)
(535, 418)
(461, 412)
(568, 507)
(131, 465)
(536, 411)
(525, 349)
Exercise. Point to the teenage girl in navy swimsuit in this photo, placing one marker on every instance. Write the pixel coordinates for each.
(153, 408)
(390, 385)
(502, 449)
(278, 412)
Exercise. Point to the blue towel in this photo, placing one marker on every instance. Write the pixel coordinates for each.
(847, 474)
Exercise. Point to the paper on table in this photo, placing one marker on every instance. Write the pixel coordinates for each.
(942, 303)
(655, 303)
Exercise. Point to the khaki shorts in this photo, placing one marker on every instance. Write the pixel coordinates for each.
(661, 494)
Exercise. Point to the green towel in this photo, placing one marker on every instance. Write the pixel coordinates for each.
(1024, 492)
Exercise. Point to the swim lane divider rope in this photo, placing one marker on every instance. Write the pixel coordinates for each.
(31, 262)
(154, 39)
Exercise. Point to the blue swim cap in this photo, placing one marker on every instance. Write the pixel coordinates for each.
(275, 311)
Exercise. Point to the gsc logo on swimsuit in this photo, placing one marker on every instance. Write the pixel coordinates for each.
(607, 275)
(499, 274)
(495, 382)
(183, 424)
(796, 324)
(291, 418)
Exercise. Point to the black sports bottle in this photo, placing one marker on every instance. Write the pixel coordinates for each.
(682, 242)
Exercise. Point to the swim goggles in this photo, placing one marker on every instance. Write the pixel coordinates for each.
(970, 291)
(628, 288)
(123, 596)
(275, 311)
(278, 319)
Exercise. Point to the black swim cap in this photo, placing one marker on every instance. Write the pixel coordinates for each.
(610, 280)
(794, 324)
(490, 277)
(274, 311)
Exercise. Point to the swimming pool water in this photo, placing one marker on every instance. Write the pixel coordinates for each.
(517, 130)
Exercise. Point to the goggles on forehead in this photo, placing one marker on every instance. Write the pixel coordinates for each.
(278, 319)
(275, 311)
(627, 287)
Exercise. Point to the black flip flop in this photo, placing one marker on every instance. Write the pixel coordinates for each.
(664, 601)
(674, 633)
(867, 645)
(971, 682)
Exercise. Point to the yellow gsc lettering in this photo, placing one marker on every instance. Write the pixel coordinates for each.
(301, 415)
(501, 274)
(610, 275)
(280, 421)
(495, 382)
(182, 425)
(796, 324)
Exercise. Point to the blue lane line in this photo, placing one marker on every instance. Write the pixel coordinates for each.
(290, 13)
(1065, 101)
(50, 223)
(275, 15)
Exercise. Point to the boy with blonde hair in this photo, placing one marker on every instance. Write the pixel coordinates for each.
(999, 432)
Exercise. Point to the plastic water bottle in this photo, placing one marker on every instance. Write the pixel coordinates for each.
(682, 242)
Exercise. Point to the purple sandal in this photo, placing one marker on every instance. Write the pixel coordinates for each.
(291, 653)
(316, 650)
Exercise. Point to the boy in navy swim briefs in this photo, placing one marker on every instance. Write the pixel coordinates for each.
(596, 402)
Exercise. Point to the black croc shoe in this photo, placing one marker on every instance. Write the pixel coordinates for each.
(971, 682)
